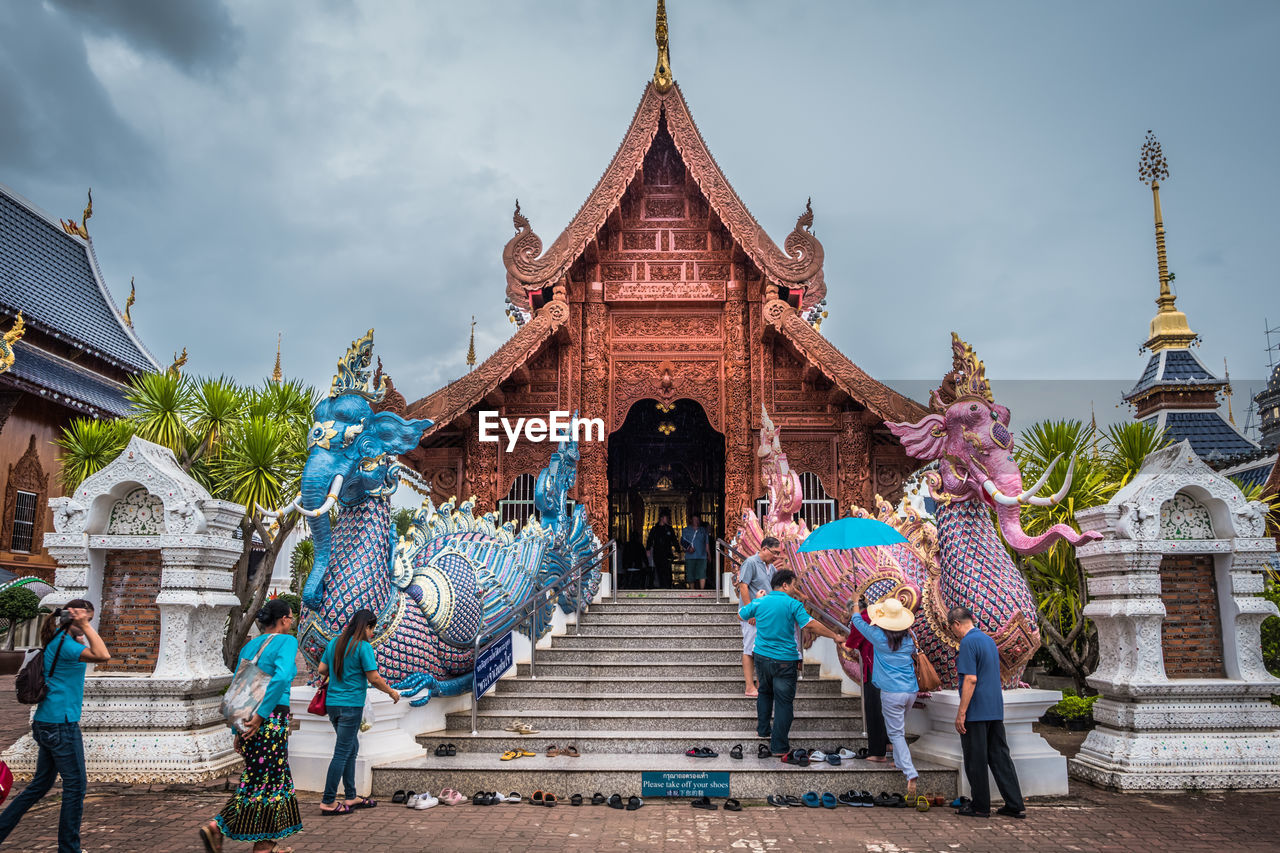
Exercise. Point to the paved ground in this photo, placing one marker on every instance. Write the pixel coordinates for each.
(134, 819)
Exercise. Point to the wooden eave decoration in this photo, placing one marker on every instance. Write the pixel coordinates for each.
(799, 267)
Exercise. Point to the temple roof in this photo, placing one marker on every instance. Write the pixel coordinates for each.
(529, 269)
(67, 384)
(1253, 473)
(1176, 368)
(1212, 438)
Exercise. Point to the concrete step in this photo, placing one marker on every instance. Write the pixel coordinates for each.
(664, 670)
(685, 685)
(654, 645)
(696, 617)
(587, 653)
(665, 595)
(610, 773)
(628, 743)
(807, 719)
(663, 607)
(591, 628)
(591, 703)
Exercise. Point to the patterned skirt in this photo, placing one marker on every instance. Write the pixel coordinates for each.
(264, 807)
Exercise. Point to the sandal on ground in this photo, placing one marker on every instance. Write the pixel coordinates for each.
(763, 751)
(524, 753)
(704, 803)
(634, 803)
(399, 797)
(552, 751)
(509, 755)
(829, 800)
(922, 804)
(513, 797)
(211, 835)
(338, 808)
(364, 803)
(597, 799)
(521, 729)
(537, 798)
(615, 801)
(774, 800)
(736, 752)
(575, 800)
(451, 750)
(548, 799)
(571, 751)
(732, 805)
(793, 801)
(812, 800)
(442, 751)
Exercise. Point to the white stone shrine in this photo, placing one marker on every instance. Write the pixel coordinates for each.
(1174, 590)
(155, 552)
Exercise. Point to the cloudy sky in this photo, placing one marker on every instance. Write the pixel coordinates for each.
(322, 166)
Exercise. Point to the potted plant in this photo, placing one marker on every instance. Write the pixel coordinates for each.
(1076, 712)
(18, 605)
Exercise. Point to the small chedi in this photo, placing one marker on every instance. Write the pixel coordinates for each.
(962, 560)
(452, 577)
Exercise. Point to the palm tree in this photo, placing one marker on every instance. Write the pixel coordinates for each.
(243, 444)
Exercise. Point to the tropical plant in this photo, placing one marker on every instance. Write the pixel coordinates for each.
(1103, 464)
(243, 444)
(403, 518)
(18, 605)
(300, 563)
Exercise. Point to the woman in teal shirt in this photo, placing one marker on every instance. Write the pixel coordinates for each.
(56, 725)
(350, 667)
(264, 808)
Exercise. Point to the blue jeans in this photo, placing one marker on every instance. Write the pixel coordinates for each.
(776, 695)
(61, 753)
(346, 722)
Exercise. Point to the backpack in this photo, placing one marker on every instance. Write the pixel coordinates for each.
(30, 680)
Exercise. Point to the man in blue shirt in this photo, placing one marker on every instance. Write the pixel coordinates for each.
(694, 540)
(752, 582)
(777, 615)
(980, 720)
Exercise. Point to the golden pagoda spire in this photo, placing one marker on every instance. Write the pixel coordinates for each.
(1169, 328)
(471, 348)
(662, 79)
(277, 375)
(128, 305)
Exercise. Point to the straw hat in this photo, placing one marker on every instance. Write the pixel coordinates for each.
(891, 615)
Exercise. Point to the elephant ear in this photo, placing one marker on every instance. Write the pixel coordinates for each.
(396, 434)
(925, 439)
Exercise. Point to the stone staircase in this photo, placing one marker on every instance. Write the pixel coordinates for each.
(647, 677)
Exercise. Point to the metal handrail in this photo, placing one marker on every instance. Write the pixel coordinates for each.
(730, 553)
(529, 608)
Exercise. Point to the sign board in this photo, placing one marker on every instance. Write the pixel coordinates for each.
(492, 664)
(679, 783)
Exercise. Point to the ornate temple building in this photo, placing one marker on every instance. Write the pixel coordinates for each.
(666, 310)
(68, 356)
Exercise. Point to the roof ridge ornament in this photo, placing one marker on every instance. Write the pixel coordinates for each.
(179, 361)
(662, 78)
(80, 229)
(353, 376)
(802, 255)
(1169, 328)
(11, 338)
(128, 304)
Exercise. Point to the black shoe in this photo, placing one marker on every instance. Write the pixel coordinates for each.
(597, 799)
(1009, 811)
(763, 751)
(776, 800)
(848, 798)
(736, 752)
(967, 811)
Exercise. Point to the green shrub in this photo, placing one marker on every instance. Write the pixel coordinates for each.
(1075, 707)
(1271, 631)
(17, 606)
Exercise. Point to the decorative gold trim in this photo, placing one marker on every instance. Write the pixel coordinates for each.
(80, 229)
(662, 77)
(11, 337)
(353, 376)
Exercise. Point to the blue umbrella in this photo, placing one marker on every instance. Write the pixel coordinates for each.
(845, 533)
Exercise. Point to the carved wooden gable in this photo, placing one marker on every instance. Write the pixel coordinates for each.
(26, 475)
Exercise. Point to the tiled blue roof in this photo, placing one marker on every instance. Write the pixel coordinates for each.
(62, 377)
(48, 276)
(1212, 438)
(1181, 366)
(1257, 475)
(1149, 374)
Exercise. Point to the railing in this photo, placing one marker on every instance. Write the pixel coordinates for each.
(528, 611)
(727, 556)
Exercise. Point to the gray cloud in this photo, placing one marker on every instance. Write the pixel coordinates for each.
(194, 35)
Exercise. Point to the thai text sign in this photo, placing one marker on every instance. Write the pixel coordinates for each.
(676, 783)
(491, 664)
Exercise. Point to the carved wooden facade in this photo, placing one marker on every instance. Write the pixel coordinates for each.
(664, 288)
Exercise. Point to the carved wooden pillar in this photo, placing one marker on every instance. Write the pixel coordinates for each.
(480, 471)
(739, 457)
(593, 467)
(853, 464)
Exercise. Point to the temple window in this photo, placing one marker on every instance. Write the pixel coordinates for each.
(24, 521)
(816, 506)
(518, 504)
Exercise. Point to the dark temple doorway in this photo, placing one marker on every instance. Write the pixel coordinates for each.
(666, 457)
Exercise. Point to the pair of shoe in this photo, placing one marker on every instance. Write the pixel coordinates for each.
(450, 797)
(512, 754)
(521, 729)
(569, 751)
(783, 800)
(421, 801)
(857, 798)
(891, 801)
(966, 809)
(702, 752)
(493, 798)
(730, 805)
(830, 757)
(615, 802)
(813, 800)
(798, 757)
(446, 750)
(542, 798)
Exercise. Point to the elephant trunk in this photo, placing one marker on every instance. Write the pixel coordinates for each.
(1010, 518)
(314, 494)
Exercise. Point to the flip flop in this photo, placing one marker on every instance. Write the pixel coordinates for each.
(732, 805)
(773, 799)
(211, 835)
(575, 800)
(597, 799)
(736, 752)
(571, 751)
(615, 801)
(812, 800)
(793, 801)
(634, 803)
(704, 803)
(524, 753)
(365, 803)
(509, 755)
(828, 800)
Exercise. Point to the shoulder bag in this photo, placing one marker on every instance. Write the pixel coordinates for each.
(247, 690)
(926, 676)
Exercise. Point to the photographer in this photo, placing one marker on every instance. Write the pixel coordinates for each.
(56, 724)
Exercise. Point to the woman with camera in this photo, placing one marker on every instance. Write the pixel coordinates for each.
(350, 667)
(70, 643)
(264, 808)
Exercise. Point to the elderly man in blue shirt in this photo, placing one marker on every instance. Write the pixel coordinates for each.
(776, 655)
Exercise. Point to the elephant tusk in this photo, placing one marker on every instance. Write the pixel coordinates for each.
(276, 513)
(1057, 497)
(329, 501)
(1048, 469)
(997, 495)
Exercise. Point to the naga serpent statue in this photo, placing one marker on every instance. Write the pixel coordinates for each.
(452, 577)
(962, 560)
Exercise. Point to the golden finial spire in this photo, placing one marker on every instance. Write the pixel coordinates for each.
(277, 375)
(1169, 328)
(471, 348)
(133, 295)
(1226, 375)
(81, 228)
(662, 79)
